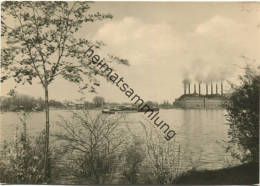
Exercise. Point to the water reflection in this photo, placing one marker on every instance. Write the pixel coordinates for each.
(198, 132)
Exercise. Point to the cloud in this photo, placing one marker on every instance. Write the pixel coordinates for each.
(161, 57)
(140, 42)
(218, 25)
(217, 47)
(152, 50)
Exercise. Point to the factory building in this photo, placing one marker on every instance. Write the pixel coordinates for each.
(209, 100)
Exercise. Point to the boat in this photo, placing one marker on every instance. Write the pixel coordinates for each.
(127, 108)
(108, 111)
(116, 109)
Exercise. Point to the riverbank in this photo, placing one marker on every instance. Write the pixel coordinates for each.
(188, 122)
(245, 174)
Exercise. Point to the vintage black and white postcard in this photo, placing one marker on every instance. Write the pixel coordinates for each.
(129, 92)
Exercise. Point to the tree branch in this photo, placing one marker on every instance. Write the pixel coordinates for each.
(30, 53)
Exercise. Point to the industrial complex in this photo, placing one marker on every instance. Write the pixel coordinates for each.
(209, 100)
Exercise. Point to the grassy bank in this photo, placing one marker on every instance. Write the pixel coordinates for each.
(239, 175)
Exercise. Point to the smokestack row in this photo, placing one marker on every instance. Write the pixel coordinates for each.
(207, 91)
(185, 88)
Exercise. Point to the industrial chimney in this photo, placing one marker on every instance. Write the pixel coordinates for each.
(199, 88)
(184, 88)
(216, 88)
(221, 88)
(189, 87)
(207, 89)
(211, 86)
(195, 88)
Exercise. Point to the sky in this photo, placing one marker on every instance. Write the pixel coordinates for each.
(165, 43)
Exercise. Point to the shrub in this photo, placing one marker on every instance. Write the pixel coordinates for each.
(92, 144)
(134, 157)
(162, 156)
(157, 161)
(22, 160)
(243, 117)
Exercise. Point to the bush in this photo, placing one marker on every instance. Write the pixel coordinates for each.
(23, 160)
(92, 145)
(134, 157)
(243, 117)
(162, 156)
(152, 159)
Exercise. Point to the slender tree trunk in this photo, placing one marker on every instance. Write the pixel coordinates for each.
(47, 134)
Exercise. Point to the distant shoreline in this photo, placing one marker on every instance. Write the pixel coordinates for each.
(175, 108)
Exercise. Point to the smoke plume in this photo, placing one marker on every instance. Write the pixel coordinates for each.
(202, 71)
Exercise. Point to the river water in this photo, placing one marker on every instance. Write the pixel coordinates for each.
(201, 134)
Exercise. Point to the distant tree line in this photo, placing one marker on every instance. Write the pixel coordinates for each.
(20, 102)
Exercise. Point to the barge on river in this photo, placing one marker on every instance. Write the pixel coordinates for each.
(125, 109)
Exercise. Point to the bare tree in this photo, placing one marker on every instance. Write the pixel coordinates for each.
(94, 143)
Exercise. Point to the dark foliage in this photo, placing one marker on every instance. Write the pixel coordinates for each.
(246, 174)
(243, 117)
